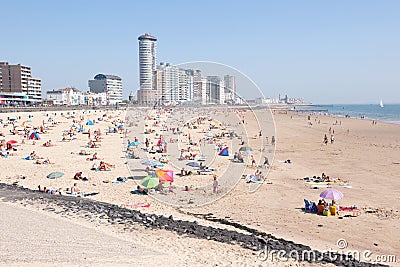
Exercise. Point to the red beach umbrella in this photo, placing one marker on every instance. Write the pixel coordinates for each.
(12, 142)
(165, 175)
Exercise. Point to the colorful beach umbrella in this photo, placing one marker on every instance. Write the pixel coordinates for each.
(134, 144)
(165, 175)
(55, 175)
(150, 182)
(151, 162)
(332, 194)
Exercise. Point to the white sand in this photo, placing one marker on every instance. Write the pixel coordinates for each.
(365, 156)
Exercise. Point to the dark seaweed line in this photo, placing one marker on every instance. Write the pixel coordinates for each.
(255, 240)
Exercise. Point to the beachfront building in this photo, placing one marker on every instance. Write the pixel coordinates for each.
(17, 79)
(197, 86)
(173, 84)
(96, 99)
(147, 93)
(109, 84)
(66, 96)
(230, 89)
(214, 92)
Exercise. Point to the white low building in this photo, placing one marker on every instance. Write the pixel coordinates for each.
(66, 96)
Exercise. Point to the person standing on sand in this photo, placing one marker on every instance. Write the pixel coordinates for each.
(332, 138)
(253, 161)
(266, 162)
(215, 184)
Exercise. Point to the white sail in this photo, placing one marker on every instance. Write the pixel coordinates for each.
(381, 103)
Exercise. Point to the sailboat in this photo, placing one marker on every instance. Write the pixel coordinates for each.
(381, 103)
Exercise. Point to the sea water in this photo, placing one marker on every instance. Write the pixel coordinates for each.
(389, 113)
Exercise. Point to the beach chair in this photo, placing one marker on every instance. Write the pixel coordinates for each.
(307, 206)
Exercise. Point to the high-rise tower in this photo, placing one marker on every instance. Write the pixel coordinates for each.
(147, 94)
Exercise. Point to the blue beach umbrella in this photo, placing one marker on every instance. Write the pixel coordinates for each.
(193, 164)
(134, 144)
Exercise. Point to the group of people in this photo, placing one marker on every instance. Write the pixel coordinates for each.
(325, 208)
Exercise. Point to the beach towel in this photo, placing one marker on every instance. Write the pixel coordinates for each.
(137, 192)
(250, 178)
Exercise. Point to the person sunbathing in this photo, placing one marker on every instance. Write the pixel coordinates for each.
(91, 144)
(33, 155)
(75, 189)
(48, 144)
(78, 176)
(104, 166)
(45, 161)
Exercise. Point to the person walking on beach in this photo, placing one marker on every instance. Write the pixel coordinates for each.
(326, 140)
(273, 140)
(266, 162)
(215, 184)
(253, 161)
(332, 138)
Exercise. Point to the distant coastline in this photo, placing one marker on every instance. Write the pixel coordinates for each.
(388, 114)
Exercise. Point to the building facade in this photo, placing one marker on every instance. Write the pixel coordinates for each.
(230, 89)
(214, 91)
(66, 96)
(147, 94)
(18, 79)
(109, 84)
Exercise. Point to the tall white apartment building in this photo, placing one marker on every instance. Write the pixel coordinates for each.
(186, 85)
(214, 91)
(197, 86)
(230, 89)
(147, 93)
(174, 84)
(109, 84)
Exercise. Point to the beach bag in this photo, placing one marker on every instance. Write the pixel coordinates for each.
(121, 179)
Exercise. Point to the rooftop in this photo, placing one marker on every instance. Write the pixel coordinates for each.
(107, 76)
(147, 36)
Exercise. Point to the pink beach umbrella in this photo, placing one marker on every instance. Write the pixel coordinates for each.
(332, 194)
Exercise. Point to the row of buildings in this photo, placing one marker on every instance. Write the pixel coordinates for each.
(17, 86)
(169, 84)
(104, 89)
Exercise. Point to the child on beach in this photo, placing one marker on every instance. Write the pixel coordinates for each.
(215, 184)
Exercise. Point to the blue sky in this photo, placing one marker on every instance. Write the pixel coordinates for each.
(323, 51)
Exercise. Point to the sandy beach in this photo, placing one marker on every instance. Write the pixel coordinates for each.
(365, 155)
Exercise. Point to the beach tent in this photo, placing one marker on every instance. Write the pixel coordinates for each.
(224, 152)
(34, 135)
(89, 123)
(165, 175)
